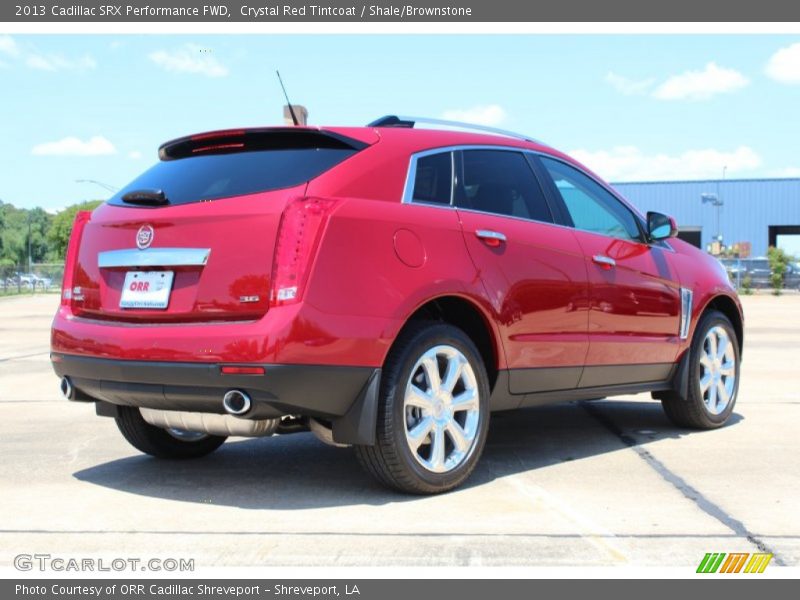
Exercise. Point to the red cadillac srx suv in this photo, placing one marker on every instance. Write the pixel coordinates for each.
(386, 287)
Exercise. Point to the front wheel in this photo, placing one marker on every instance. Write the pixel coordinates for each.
(713, 376)
(163, 443)
(433, 414)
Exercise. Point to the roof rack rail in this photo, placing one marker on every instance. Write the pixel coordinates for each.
(409, 122)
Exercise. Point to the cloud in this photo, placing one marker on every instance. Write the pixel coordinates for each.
(8, 46)
(786, 172)
(701, 85)
(72, 146)
(43, 62)
(784, 65)
(57, 62)
(629, 163)
(690, 85)
(629, 87)
(189, 59)
(134, 155)
(490, 115)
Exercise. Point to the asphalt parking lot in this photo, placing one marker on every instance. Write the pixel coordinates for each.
(602, 483)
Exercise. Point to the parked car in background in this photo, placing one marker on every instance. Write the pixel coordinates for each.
(40, 281)
(19, 280)
(760, 272)
(386, 287)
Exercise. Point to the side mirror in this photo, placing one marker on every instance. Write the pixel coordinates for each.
(660, 227)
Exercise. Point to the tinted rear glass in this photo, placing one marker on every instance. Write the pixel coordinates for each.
(212, 176)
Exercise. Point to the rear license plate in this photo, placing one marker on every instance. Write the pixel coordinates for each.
(146, 289)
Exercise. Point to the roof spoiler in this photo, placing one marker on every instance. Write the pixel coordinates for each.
(409, 122)
(265, 138)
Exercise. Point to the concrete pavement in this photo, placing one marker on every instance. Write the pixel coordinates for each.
(603, 483)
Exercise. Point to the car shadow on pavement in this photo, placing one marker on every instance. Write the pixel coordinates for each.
(298, 472)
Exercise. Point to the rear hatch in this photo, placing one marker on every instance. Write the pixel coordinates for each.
(193, 237)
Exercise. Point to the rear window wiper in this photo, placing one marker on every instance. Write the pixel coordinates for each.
(148, 197)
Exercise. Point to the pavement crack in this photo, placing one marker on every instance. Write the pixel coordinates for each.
(691, 493)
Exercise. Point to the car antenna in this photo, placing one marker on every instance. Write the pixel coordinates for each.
(285, 95)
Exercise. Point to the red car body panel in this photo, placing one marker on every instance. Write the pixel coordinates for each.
(544, 301)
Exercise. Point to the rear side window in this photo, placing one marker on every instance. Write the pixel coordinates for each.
(223, 170)
(501, 182)
(433, 179)
(591, 207)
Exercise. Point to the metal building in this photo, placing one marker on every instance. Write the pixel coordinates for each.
(763, 212)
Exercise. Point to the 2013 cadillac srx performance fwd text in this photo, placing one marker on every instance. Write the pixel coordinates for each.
(386, 287)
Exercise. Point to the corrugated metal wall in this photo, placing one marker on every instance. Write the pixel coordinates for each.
(750, 206)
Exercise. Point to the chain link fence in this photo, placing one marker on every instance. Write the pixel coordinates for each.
(39, 279)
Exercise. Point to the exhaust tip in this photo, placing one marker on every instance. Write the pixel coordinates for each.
(236, 402)
(66, 388)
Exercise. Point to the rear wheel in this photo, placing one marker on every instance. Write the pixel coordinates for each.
(713, 376)
(163, 443)
(433, 414)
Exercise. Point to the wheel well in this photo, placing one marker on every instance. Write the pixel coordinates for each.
(728, 307)
(463, 314)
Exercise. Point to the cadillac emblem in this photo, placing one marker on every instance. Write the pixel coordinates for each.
(144, 237)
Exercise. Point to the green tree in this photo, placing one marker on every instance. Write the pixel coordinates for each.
(778, 263)
(61, 227)
(22, 230)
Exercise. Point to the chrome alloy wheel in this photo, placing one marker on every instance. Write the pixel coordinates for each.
(717, 370)
(442, 409)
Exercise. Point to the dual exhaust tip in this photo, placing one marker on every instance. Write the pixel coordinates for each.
(235, 402)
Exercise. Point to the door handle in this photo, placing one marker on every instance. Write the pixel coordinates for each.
(490, 238)
(604, 261)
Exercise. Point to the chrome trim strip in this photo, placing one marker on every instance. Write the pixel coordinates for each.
(471, 127)
(154, 257)
(686, 312)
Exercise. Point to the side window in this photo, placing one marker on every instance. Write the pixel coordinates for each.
(433, 181)
(591, 207)
(501, 182)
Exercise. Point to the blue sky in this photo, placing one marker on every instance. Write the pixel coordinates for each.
(630, 107)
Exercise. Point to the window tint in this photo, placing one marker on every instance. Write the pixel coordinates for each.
(211, 176)
(591, 207)
(501, 182)
(434, 179)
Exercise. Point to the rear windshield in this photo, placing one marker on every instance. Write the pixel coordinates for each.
(211, 176)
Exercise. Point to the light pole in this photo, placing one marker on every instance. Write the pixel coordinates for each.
(30, 214)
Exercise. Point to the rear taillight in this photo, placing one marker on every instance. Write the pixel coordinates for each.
(71, 259)
(302, 224)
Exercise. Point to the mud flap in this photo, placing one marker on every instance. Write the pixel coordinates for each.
(357, 426)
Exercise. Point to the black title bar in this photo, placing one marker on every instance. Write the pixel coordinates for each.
(266, 11)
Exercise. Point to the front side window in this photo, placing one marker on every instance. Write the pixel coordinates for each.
(590, 206)
(501, 182)
(433, 180)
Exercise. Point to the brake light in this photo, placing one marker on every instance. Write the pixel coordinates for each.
(70, 261)
(300, 231)
(217, 134)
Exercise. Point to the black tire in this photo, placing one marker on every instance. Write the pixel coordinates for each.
(692, 412)
(391, 461)
(158, 442)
